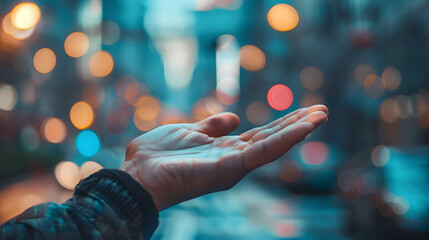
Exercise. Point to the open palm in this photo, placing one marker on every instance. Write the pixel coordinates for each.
(178, 162)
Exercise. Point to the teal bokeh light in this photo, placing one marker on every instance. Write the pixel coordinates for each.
(88, 143)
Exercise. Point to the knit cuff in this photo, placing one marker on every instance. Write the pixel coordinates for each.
(137, 206)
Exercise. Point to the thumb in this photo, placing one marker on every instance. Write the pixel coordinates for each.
(219, 125)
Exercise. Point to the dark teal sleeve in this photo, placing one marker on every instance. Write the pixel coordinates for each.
(107, 205)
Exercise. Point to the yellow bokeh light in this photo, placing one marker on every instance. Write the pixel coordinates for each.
(283, 17)
(101, 64)
(76, 44)
(44, 60)
(88, 168)
(81, 115)
(18, 34)
(67, 174)
(25, 16)
(252, 58)
(54, 130)
(7, 25)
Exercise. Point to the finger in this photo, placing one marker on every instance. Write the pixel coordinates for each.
(316, 118)
(250, 133)
(299, 117)
(274, 146)
(218, 125)
(285, 121)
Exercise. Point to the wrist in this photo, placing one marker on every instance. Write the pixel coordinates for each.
(130, 168)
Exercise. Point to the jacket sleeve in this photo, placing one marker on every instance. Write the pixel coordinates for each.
(109, 204)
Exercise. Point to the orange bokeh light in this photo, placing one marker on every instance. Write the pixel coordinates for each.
(25, 16)
(101, 64)
(252, 58)
(54, 130)
(81, 115)
(76, 44)
(143, 125)
(283, 17)
(44, 60)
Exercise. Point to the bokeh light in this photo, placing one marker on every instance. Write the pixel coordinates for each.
(76, 44)
(172, 115)
(310, 99)
(143, 125)
(290, 172)
(9, 29)
(25, 16)
(54, 130)
(404, 105)
(94, 95)
(88, 143)
(391, 78)
(361, 72)
(252, 58)
(101, 64)
(128, 88)
(258, 113)
(110, 32)
(88, 168)
(117, 120)
(44, 60)
(206, 107)
(283, 17)
(311, 78)
(314, 153)
(373, 85)
(366, 183)
(347, 180)
(81, 115)
(280, 97)
(7, 26)
(380, 156)
(8, 97)
(147, 109)
(389, 110)
(67, 174)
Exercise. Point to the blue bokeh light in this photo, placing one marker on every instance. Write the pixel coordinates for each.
(88, 143)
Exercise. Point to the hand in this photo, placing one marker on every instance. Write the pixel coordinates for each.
(178, 162)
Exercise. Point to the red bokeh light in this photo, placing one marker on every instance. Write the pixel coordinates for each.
(314, 153)
(280, 97)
